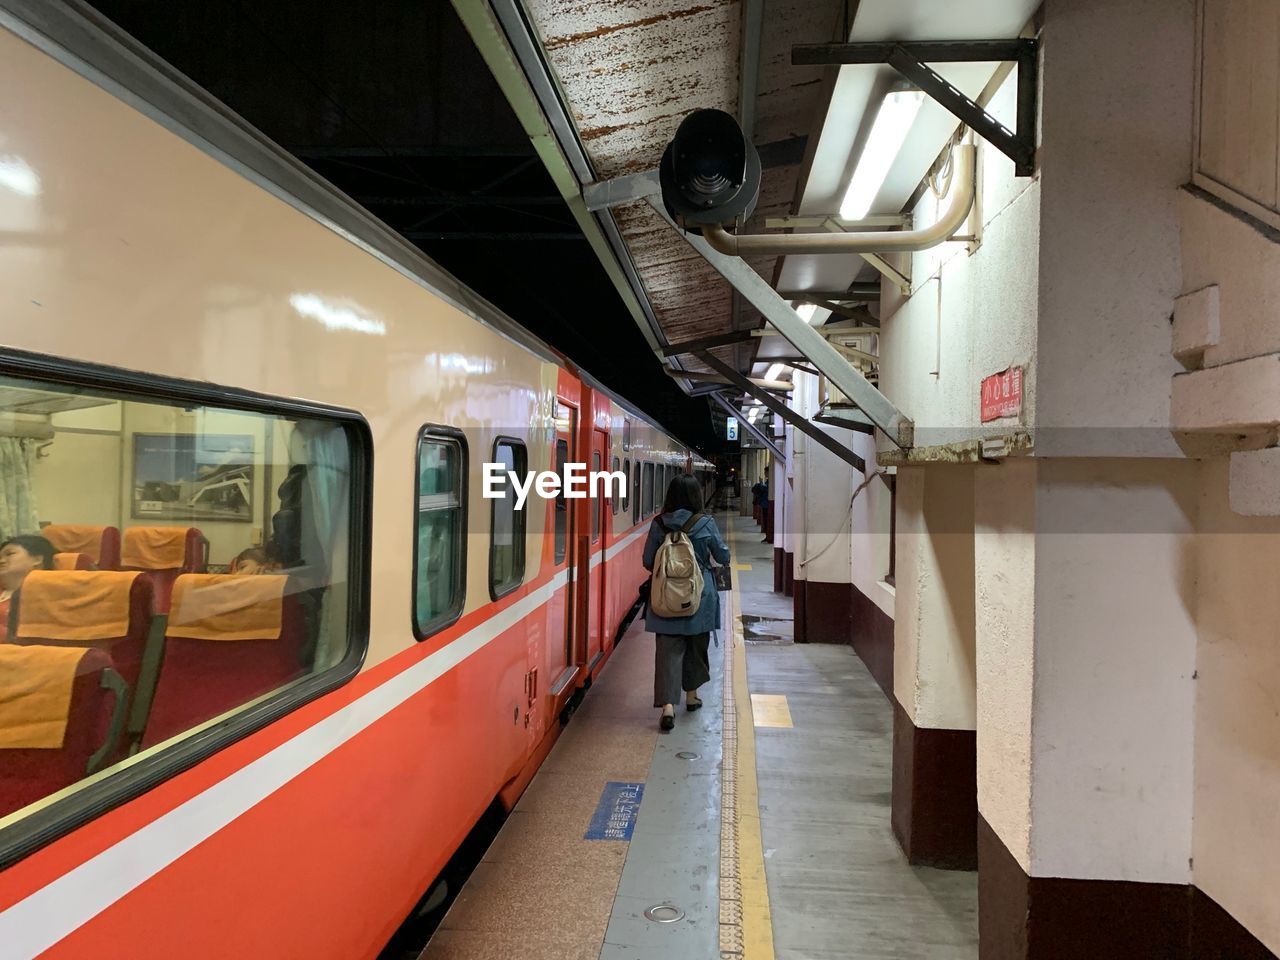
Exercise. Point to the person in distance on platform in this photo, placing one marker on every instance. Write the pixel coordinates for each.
(18, 557)
(681, 660)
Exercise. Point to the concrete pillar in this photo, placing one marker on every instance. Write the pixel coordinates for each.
(935, 809)
(1085, 624)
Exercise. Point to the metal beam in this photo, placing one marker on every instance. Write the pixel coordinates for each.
(707, 343)
(860, 290)
(882, 411)
(930, 51)
(860, 426)
(750, 427)
(785, 412)
(611, 193)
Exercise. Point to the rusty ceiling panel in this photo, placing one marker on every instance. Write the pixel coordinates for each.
(630, 71)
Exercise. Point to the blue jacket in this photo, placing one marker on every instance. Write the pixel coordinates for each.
(706, 544)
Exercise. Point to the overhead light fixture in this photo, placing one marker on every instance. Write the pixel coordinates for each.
(892, 124)
(806, 311)
(775, 371)
(751, 417)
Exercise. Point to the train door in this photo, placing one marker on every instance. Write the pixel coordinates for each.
(595, 590)
(565, 555)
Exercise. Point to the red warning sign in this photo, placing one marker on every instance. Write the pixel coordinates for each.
(1002, 394)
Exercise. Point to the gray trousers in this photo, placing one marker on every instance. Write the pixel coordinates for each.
(680, 663)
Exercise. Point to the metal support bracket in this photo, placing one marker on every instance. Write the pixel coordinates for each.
(750, 427)
(785, 412)
(896, 425)
(845, 420)
(891, 273)
(910, 59)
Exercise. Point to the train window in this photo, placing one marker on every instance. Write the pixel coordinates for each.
(595, 502)
(648, 489)
(176, 559)
(634, 494)
(506, 546)
(439, 586)
(615, 500)
(660, 488)
(562, 507)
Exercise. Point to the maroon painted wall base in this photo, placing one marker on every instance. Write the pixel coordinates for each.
(1050, 918)
(788, 573)
(800, 613)
(823, 612)
(871, 632)
(779, 569)
(935, 794)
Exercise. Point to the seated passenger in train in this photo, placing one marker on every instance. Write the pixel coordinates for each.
(254, 560)
(18, 557)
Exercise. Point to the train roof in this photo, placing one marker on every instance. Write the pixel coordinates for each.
(90, 44)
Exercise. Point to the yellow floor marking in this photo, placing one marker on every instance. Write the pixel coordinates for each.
(757, 920)
(770, 710)
(742, 566)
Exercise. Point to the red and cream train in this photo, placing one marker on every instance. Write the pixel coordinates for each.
(200, 336)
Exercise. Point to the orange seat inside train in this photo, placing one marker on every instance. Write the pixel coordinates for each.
(61, 714)
(229, 639)
(100, 544)
(106, 609)
(162, 554)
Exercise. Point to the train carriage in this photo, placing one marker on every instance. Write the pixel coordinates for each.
(289, 653)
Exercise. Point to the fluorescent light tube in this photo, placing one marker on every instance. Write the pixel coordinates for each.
(806, 311)
(893, 121)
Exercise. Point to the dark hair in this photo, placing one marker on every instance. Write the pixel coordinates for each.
(683, 492)
(36, 546)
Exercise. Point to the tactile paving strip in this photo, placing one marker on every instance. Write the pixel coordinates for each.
(731, 939)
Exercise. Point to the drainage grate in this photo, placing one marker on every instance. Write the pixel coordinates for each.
(688, 755)
(664, 913)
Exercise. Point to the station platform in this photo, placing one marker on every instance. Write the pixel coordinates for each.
(758, 828)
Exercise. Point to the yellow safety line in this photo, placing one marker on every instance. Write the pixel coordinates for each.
(746, 928)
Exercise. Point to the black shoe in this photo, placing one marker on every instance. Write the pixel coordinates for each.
(696, 705)
(667, 722)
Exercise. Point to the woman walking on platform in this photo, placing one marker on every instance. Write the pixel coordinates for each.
(681, 658)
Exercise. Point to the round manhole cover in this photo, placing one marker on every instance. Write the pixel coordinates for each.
(664, 913)
(688, 755)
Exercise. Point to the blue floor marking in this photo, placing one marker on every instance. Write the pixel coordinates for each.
(615, 816)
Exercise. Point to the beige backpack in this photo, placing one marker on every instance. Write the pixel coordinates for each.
(677, 576)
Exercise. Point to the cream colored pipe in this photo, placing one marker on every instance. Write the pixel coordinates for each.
(875, 241)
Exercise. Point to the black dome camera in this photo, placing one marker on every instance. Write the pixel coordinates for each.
(710, 173)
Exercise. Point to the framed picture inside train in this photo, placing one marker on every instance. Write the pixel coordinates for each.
(193, 476)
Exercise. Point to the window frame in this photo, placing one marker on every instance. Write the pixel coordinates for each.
(521, 519)
(649, 474)
(59, 817)
(617, 468)
(635, 493)
(559, 504)
(438, 431)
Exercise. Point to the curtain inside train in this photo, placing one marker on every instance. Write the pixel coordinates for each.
(18, 513)
(329, 485)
